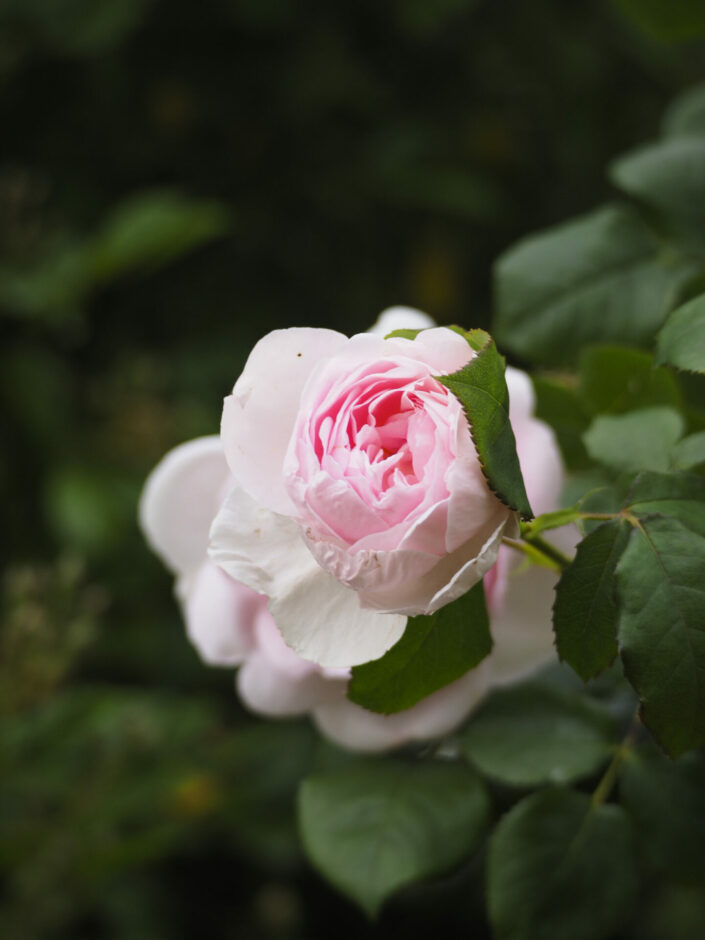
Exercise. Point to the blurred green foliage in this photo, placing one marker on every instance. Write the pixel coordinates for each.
(175, 180)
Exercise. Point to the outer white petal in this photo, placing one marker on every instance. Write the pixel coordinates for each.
(318, 617)
(400, 318)
(362, 730)
(180, 500)
(220, 615)
(258, 418)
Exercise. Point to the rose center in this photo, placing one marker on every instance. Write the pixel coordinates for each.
(380, 437)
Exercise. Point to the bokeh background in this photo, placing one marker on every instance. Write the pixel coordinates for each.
(176, 179)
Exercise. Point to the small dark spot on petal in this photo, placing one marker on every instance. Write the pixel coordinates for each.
(299, 354)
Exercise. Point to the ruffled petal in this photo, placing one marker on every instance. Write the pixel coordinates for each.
(318, 617)
(258, 418)
(180, 500)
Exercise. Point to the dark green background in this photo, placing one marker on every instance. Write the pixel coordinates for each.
(320, 161)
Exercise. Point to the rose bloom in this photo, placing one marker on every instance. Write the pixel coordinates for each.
(351, 497)
(358, 498)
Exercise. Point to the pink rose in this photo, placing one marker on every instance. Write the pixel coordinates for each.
(229, 623)
(359, 498)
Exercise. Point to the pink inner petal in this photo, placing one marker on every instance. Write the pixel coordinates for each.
(374, 452)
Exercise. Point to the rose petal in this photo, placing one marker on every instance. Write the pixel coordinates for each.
(444, 350)
(541, 464)
(522, 399)
(450, 578)
(439, 350)
(269, 690)
(179, 501)
(522, 627)
(318, 617)
(220, 615)
(258, 417)
(400, 318)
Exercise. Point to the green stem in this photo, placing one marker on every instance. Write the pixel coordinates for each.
(534, 555)
(609, 778)
(549, 551)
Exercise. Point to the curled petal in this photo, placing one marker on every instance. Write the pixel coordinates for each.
(318, 617)
(450, 578)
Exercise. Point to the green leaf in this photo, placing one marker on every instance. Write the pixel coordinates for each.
(434, 651)
(685, 116)
(151, 229)
(481, 388)
(639, 440)
(615, 379)
(373, 827)
(87, 507)
(51, 290)
(142, 233)
(681, 342)
(533, 734)
(600, 495)
(690, 452)
(560, 406)
(585, 609)
(681, 495)
(667, 175)
(666, 800)
(599, 278)
(661, 630)
(674, 21)
(404, 334)
(560, 868)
